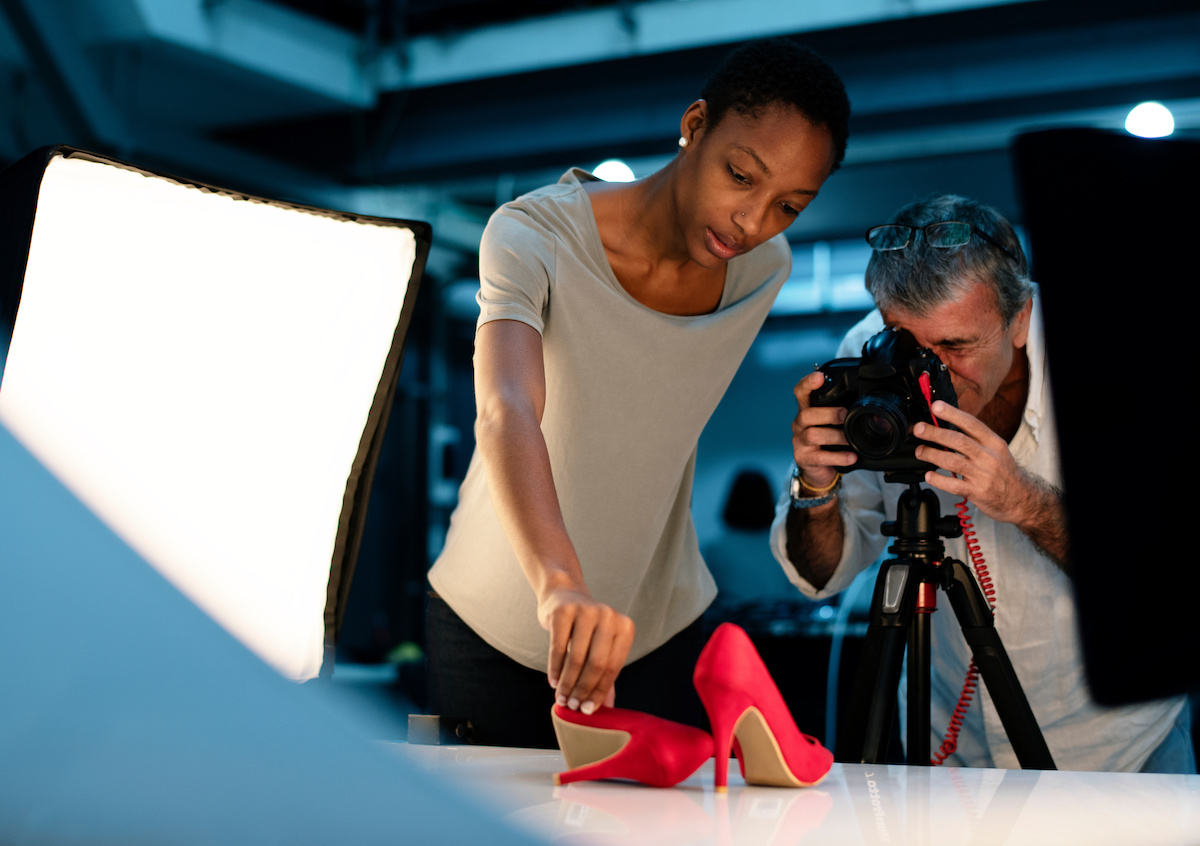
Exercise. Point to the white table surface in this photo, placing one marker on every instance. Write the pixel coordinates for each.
(882, 804)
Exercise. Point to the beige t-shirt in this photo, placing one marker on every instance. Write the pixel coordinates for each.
(628, 391)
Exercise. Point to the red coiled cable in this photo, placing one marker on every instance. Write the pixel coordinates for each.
(973, 550)
(957, 718)
(971, 682)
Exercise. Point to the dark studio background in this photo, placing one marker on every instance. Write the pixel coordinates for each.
(439, 111)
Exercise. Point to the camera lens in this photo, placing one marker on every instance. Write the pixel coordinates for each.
(878, 428)
(876, 425)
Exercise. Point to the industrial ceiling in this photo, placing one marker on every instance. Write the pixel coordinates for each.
(440, 109)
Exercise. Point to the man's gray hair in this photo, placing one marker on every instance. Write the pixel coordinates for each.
(920, 278)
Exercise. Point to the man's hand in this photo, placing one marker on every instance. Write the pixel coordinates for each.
(814, 535)
(589, 642)
(812, 430)
(989, 477)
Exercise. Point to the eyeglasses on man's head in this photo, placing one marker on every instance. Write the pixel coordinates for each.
(944, 235)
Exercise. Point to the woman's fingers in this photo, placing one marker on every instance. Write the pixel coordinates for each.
(589, 642)
(607, 650)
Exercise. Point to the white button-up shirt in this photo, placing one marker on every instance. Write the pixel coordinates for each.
(1034, 608)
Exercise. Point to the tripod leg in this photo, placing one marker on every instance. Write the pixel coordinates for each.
(979, 629)
(919, 639)
(864, 733)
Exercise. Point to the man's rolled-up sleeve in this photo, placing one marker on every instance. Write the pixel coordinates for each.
(861, 504)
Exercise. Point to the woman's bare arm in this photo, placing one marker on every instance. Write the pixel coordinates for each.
(589, 641)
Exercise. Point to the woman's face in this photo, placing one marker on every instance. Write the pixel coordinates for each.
(746, 179)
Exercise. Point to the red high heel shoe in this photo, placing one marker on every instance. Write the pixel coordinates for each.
(618, 743)
(743, 703)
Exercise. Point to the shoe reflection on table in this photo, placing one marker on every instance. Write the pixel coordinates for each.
(772, 817)
(610, 814)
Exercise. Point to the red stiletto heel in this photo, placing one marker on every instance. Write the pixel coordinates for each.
(617, 743)
(743, 703)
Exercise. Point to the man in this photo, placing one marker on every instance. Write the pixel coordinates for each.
(951, 272)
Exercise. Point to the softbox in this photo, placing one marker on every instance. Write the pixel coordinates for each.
(1113, 235)
(211, 373)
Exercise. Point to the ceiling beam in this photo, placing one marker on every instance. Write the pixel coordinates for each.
(64, 70)
(972, 91)
(262, 38)
(632, 29)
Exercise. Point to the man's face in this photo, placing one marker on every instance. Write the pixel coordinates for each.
(969, 336)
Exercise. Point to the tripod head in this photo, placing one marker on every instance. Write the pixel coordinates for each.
(919, 525)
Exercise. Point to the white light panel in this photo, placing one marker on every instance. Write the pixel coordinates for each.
(198, 369)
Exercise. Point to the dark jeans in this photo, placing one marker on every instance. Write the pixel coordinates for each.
(509, 704)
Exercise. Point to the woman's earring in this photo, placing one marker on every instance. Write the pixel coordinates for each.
(682, 141)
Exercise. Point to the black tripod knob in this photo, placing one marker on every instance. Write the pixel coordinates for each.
(919, 523)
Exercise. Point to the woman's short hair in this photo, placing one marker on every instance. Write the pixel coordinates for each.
(920, 278)
(777, 71)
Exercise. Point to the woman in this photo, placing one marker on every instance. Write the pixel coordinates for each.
(612, 318)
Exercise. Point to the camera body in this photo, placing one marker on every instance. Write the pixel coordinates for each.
(882, 392)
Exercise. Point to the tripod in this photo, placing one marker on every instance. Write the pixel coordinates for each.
(905, 597)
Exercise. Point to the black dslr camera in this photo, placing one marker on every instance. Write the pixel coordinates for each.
(882, 391)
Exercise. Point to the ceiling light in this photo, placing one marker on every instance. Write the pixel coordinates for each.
(1150, 120)
(614, 170)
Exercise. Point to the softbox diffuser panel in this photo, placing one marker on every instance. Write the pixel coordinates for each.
(206, 371)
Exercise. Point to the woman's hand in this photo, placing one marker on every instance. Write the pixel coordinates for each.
(589, 642)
